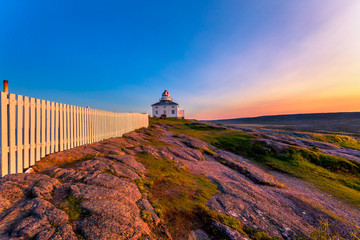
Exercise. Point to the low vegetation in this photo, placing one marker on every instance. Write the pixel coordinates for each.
(176, 194)
(335, 175)
(338, 140)
(323, 232)
(180, 198)
(72, 207)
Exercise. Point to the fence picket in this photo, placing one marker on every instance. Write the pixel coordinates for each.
(68, 137)
(61, 127)
(19, 142)
(26, 133)
(38, 122)
(52, 127)
(67, 127)
(43, 129)
(33, 144)
(77, 124)
(12, 138)
(81, 126)
(56, 140)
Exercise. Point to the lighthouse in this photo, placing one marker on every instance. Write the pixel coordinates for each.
(166, 107)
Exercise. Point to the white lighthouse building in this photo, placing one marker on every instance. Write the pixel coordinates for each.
(167, 107)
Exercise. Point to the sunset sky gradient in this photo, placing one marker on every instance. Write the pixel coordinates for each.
(218, 59)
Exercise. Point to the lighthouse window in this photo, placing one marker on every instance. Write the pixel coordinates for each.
(156, 112)
(164, 106)
(164, 111)
(173, 111)
(172, 106)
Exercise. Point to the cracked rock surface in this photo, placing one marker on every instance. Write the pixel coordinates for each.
(90, 192)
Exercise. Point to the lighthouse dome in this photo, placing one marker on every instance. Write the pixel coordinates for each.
(166, 96)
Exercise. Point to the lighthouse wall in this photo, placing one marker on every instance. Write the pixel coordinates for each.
(169, 110)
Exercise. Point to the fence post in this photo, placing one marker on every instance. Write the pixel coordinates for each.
(6, 86)
(4, 134)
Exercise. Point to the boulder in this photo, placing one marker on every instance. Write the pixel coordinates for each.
(242, 166)
(144, 203)
(198, 235)
(111, 219)
(232, 234)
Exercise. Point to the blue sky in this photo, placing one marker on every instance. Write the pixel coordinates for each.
(216, 58)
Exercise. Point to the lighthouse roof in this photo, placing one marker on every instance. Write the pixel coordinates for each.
(166, 93)
(163, 103)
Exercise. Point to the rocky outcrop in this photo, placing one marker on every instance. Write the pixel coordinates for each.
(229, 232)
(198, 235)
(145, 204)
(94, 198)
(242, 165)
(90, 192)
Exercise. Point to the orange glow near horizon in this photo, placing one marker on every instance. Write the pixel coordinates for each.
(288, 106)
(321, 75)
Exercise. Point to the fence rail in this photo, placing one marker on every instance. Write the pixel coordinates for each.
(32, 128)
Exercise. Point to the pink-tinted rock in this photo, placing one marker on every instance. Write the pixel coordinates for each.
(110, 219)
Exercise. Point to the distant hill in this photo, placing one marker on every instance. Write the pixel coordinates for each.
(292, 118)
(347, 122)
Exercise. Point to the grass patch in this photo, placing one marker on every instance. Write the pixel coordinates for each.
(180, 188)
(338, 140)
(72, 207)
(256, 234)
(200, 126)
(335, 175)
(76, 161)
(146, 216)
(108, 171)
(180, 198)
(176, 194)
(324, 232)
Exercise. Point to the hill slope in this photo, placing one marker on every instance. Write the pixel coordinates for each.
(180, 179)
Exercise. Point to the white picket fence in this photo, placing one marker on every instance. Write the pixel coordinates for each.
(32, 128)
